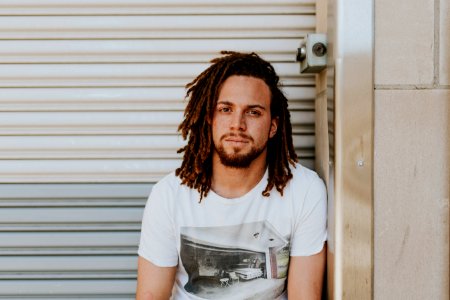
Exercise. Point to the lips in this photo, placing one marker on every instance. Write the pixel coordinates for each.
(236, 138)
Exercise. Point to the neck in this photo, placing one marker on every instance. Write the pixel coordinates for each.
(230, 182)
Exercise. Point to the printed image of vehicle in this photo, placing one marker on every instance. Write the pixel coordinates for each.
(248, 273)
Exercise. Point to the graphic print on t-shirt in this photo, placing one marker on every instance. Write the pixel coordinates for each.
(245, 261)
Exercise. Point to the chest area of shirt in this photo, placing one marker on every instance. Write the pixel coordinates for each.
(261, 212)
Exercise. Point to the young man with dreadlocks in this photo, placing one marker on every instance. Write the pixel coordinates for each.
(241, 218)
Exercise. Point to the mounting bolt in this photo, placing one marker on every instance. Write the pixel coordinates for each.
(312, 53)
(301, 53)
(319, 49)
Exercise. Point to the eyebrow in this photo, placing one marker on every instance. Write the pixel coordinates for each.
(248, 106)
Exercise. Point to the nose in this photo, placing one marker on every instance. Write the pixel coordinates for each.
(238, 121)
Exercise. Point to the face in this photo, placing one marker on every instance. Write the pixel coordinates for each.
(242, 123)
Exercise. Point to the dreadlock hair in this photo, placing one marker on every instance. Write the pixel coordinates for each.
(202, 93)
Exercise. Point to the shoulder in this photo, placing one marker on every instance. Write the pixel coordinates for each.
(309, 196)
(305, 178)
(170, 182)
(165, 192)
(307, 185)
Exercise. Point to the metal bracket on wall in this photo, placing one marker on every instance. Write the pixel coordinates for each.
(312, 53)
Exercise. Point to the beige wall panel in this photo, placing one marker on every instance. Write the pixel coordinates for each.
(321, 133)
(444, 45)
(322, 144)
(404, 36)
(322, 168)
(412, 145)
(350, 75)
(321, 122)
(321, 16)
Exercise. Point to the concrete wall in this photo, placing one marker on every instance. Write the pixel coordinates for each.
(412, 146)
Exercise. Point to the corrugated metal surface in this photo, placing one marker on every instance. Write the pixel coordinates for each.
(62, 241)
(91, 94)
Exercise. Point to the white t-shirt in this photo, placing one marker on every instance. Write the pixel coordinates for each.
(233, 248)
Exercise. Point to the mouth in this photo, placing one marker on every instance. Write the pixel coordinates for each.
(237, 139)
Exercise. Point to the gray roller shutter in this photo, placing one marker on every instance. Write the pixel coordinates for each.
(91, 93)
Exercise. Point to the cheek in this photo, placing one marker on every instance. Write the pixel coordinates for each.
(216, 130)
(267, 127)
(218, 124)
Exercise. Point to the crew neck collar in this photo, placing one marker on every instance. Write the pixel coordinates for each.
(258, 188)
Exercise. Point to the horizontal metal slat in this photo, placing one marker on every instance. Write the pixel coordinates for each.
(68, 264)
(141, 51)
(58, 288)
(99, 170)
(74, 191)
(74, 202)
(74, 195)
(132, 250)
(110, 123)
(118, 99)
(72, 297)
(21, 241)
(104, 99)
(81, 147)
(13, 123)
(98, 75)
(110, 216)
(139, 7)
(50, 147)
(132, 27)
(67, 275)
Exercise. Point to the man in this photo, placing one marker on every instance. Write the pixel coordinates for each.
(240, 219)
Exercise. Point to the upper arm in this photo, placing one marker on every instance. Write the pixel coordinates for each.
(305, 277)
(153, 282)
(310, 231)
(158, 254)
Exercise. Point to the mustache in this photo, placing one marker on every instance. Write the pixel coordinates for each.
(240, 135)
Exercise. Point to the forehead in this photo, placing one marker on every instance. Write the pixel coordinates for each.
(245, 90)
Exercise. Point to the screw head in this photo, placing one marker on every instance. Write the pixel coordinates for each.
(319, 49)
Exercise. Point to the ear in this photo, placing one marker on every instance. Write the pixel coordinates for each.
(273, 127)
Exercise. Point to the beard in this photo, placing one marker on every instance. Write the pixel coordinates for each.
(237, 160)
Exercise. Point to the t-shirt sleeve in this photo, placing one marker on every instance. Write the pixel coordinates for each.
(311, 224)
(158, 242)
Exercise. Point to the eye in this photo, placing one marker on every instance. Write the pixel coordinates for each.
(224, 109)
(254, 112)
